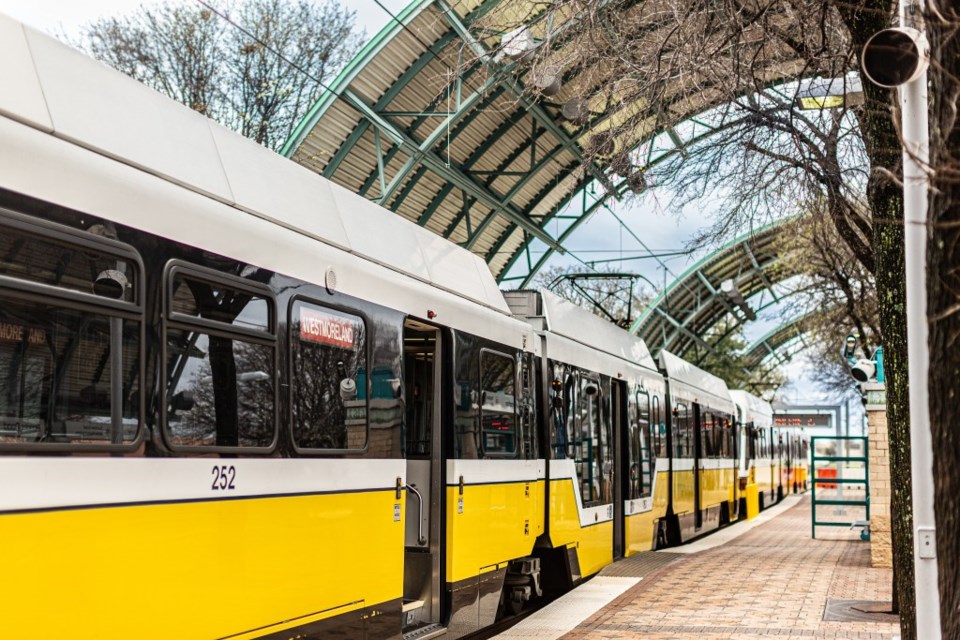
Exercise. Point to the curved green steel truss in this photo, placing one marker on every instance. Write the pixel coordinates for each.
(693, 305)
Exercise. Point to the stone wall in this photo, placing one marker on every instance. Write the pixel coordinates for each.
(881, 554)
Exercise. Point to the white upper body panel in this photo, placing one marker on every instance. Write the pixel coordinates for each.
(575, 336)
(567, 319)
(694, 384)
(121, 151)
(753, 409)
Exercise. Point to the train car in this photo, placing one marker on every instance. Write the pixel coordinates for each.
(701, 449)
(757, 471)
(228, 381)
(602, 426)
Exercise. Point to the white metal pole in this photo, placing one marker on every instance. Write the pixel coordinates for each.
(916, 154)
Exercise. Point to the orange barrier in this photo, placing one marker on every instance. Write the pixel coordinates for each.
(826, 472)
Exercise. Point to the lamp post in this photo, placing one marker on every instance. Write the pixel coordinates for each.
(899, 58)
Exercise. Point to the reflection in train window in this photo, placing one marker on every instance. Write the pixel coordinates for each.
(659, 430)
(220, 375)
(682, 431)
(71, 360)
(590, 442)
(69, 376)
(641, 458)
(50, 261)
(498, 380)
(329, 381)
(219, 303)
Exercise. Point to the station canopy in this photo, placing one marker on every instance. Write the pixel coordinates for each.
(435, 123)
(725, 289)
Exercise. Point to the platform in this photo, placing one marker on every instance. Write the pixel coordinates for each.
(756, 579)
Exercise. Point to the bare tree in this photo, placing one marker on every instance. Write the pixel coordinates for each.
(227, 63)
(835, 295)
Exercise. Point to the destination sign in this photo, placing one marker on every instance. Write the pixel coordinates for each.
(800, 420)
(321, 327)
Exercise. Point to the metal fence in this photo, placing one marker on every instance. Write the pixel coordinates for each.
(840, 474)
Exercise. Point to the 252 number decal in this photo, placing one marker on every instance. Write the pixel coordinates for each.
(223, 477)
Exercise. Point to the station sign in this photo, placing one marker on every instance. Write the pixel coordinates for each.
(801, 420)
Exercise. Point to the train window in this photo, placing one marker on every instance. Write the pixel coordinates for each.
(708, 436)
(70, 376)
(727, 448)
(562, 410)
(54, 259)
(195, 299)
(498, 425)
(659, 430)
(527, 410)
(328, 381)
(682, 432)
(589, 443)
(570, 415)
(72, 354)
(220, 362)
(641, 458)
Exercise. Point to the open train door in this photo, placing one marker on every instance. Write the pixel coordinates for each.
(423, 377)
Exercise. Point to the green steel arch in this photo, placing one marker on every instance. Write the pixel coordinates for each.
(781, 343)
(695, 303)
(475, 159)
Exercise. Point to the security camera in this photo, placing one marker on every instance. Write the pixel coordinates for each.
(864, 370)
(849, 350)
(893, 57)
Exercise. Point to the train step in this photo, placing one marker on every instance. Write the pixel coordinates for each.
(426, 632)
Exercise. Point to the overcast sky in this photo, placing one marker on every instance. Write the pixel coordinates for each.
(601, 237)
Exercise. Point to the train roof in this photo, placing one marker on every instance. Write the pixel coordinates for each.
(561, 317)
(701, 385)
(62, 92)
(753, 408)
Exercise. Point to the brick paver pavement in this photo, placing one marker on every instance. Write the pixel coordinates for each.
(771, 581)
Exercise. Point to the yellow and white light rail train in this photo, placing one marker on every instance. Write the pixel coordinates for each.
(237, 401)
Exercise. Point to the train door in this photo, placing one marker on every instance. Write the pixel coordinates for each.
(618, 416)
(697, 457)
(422, 380)
(776, 442)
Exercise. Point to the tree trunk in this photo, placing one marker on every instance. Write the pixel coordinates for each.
(943, 294)
(884, 150)
(891, 303)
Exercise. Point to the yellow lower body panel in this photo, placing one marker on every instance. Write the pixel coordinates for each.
(594, 542)
(638, 530)
(490, 524)
(242, 567)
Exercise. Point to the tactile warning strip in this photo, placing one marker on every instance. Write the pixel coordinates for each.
(640, 565)
(565, 613)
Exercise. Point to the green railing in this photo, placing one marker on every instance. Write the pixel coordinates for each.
(840, 475)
